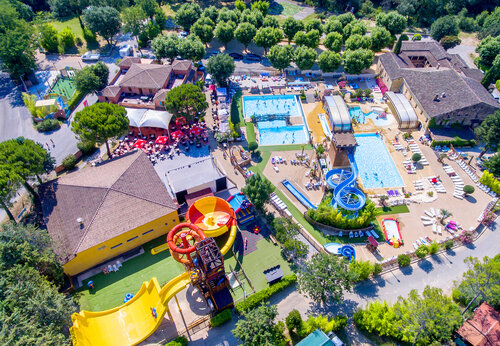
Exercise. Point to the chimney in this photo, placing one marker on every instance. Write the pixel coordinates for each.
(443, 95)
(80, 222)
(438, 66)
(436, 98)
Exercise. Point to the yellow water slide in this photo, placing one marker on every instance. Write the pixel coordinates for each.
(130, 323)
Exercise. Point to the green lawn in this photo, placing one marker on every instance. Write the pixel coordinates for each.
(285, 9)
(250, 132)
(398, 209)
(237, 108)
(75, 27)
(110, 289)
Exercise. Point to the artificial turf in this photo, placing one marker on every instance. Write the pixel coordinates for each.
(398, 209)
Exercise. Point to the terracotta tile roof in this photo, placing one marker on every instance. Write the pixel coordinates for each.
(483, 328)
(110, 91)
(111, 198)
(182, 65)
(128, 61)
(147, 76)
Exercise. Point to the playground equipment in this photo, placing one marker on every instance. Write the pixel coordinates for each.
(194, 246)
(242, 208)
(338, 249)
(342, 182)
(392, 233)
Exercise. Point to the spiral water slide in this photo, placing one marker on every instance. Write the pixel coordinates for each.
(342, 182)
(137, 319)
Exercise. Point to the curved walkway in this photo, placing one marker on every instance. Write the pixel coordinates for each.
(438, 271)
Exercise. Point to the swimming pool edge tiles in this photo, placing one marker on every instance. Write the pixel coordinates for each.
(395, 171)
(304, 120)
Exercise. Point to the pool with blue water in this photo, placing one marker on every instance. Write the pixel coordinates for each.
(361, 117)
(375, 164)
(274, 111)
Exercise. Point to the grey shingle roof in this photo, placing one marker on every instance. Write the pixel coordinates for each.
(147, 76)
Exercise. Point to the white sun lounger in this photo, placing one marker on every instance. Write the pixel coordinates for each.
(428, 213)
(458, 196)
(425, 218)
(415, 246)
(440, 229)
(427, 223)
(434, 228)
(433, 212)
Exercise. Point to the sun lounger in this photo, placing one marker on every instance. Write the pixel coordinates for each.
(433, 212)
(428, 213)
(423, 240)
(375, 234)
(425, 218)
(415, 246)
(434, 228)
(428, 223)
(440, 229)
(458, 196)
(351, 234)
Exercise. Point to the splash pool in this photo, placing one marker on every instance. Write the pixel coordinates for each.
(361, 117)
(375, 165)
(273, 115)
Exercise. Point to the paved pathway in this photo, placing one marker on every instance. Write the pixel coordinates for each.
(439, 271)
(465, 52)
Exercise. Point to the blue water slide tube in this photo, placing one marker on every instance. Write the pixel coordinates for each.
(345, 194)
(302, 199)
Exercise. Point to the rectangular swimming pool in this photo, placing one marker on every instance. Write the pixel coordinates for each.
(272, 113)
(375, 165)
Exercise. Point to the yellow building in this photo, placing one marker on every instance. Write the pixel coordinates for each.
(98, 213)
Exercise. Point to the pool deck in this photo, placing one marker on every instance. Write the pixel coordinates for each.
(311, 111)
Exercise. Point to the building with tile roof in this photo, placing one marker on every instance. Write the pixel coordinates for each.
(98, 213)
(437, 84)
(483, 328)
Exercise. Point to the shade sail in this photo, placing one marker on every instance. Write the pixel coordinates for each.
(196, 130)
(177, 134)
(148, 118)
(139, 143)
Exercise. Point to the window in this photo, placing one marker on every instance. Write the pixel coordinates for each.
(114, 247)
(102, 247)
(129, 89)
(134, 238)
(151, 230)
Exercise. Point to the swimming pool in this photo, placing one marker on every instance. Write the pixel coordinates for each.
(272, 115)
(375, 165)
(360, 116)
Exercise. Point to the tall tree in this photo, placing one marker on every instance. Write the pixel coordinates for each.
(245, 32)
(100, 122)
(280, 56)
(204, 29)
(133, 19)
(333, 25)
(224, 32)
(257, 327)
(333, 41)
(262, 6)
(103, 21)
(325, 278)
(211, 12)
(267, 37)
(489, 132)
(488, 49)
(92, 78)
(358, 41)
(309, 39)
(221, 67)
(187, 15)
(355, 61)
(290, 27)
(48, 38)
(150, 7)
(227, 15)
(257, 189)
(9, 183)
(191, 48)
(380, 38)
(392, 21)
(329, 61)
(353, 28)
(305, 58)
(186, 101)
(314, 24)
(271, 22)
(444, 26)
(166, 47)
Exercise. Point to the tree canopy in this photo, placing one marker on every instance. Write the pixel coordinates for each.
(224, 32)
(187, 15)
(392, 21)
(354, 27)
(329, 61)
(267, 37)
(221, 67)
(355, 61)
(286, 232)
(133, 19)
(186, 100)
(291, 26)
(100, 122)
(166, 47)
(489, 132)
(245, 32)
(257, 327)
(191, 48)
(488, 49)
(380, 38)
(262, 6)
(325, 278)
(444, 26)
(333, 41)
(280, 56)
(358, 41)
(92, 78)
(104, 21)
(204, 29)
(257, 189)
(308, 39)
(333, 25)
(305, 57)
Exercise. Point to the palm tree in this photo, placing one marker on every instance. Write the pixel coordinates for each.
(444, 215)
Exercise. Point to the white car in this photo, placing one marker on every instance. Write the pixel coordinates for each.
(126, 50)
(89, 56)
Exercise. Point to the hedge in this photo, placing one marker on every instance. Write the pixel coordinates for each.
(221, 318)
(178, 341)
(257, 298)
(48, 125)
(489, 180)
(75, 99)
(456, 142)
(250, 133)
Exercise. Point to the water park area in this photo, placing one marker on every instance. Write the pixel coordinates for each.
(376, 115)
(279, 119)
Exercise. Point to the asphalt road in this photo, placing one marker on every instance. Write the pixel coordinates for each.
(437, 271)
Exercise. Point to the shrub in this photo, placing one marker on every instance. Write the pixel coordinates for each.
(87, 147)
(430, 193)
(404, 260)
(417, 37)
(457, 142)
(422, 251)
(261, 296)
(293, 320)
(69, 162)
(448, 244)
(66, 39)
(252, 146)
(335, 324)
(450, 41)
(89, 36)
(377, 269)
(178, 341)
(48, 125)
(221, 318)
(489, 180)
(416, 157)
(360, 270)
(468, 189)
(466, 237)
(75, 99)
(434, 248)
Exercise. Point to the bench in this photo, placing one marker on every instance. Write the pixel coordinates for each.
(273, 239)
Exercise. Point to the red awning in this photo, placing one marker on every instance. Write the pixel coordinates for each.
(161, 140)
(177, 134)
(196, 130)
(139, 143)
(372, 241)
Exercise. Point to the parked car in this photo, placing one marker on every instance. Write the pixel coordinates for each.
(182, 34)
(90, 56)
(236, 56)
(253, 57)
(126, 50)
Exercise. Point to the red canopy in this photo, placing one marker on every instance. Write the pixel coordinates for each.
(372, 241)
(180, 120)
(196, 130)
(161, 140)
(177, 134)
(139, 143)
(211, 87)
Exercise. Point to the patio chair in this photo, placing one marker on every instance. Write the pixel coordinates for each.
(351, 234)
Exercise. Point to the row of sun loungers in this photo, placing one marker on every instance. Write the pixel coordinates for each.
(361, 234)
(437, 184)
(416, 150)
(418, 185)
(422, 241)
(475, 178)
(279, 204)
(457, 181)
(410, 167)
